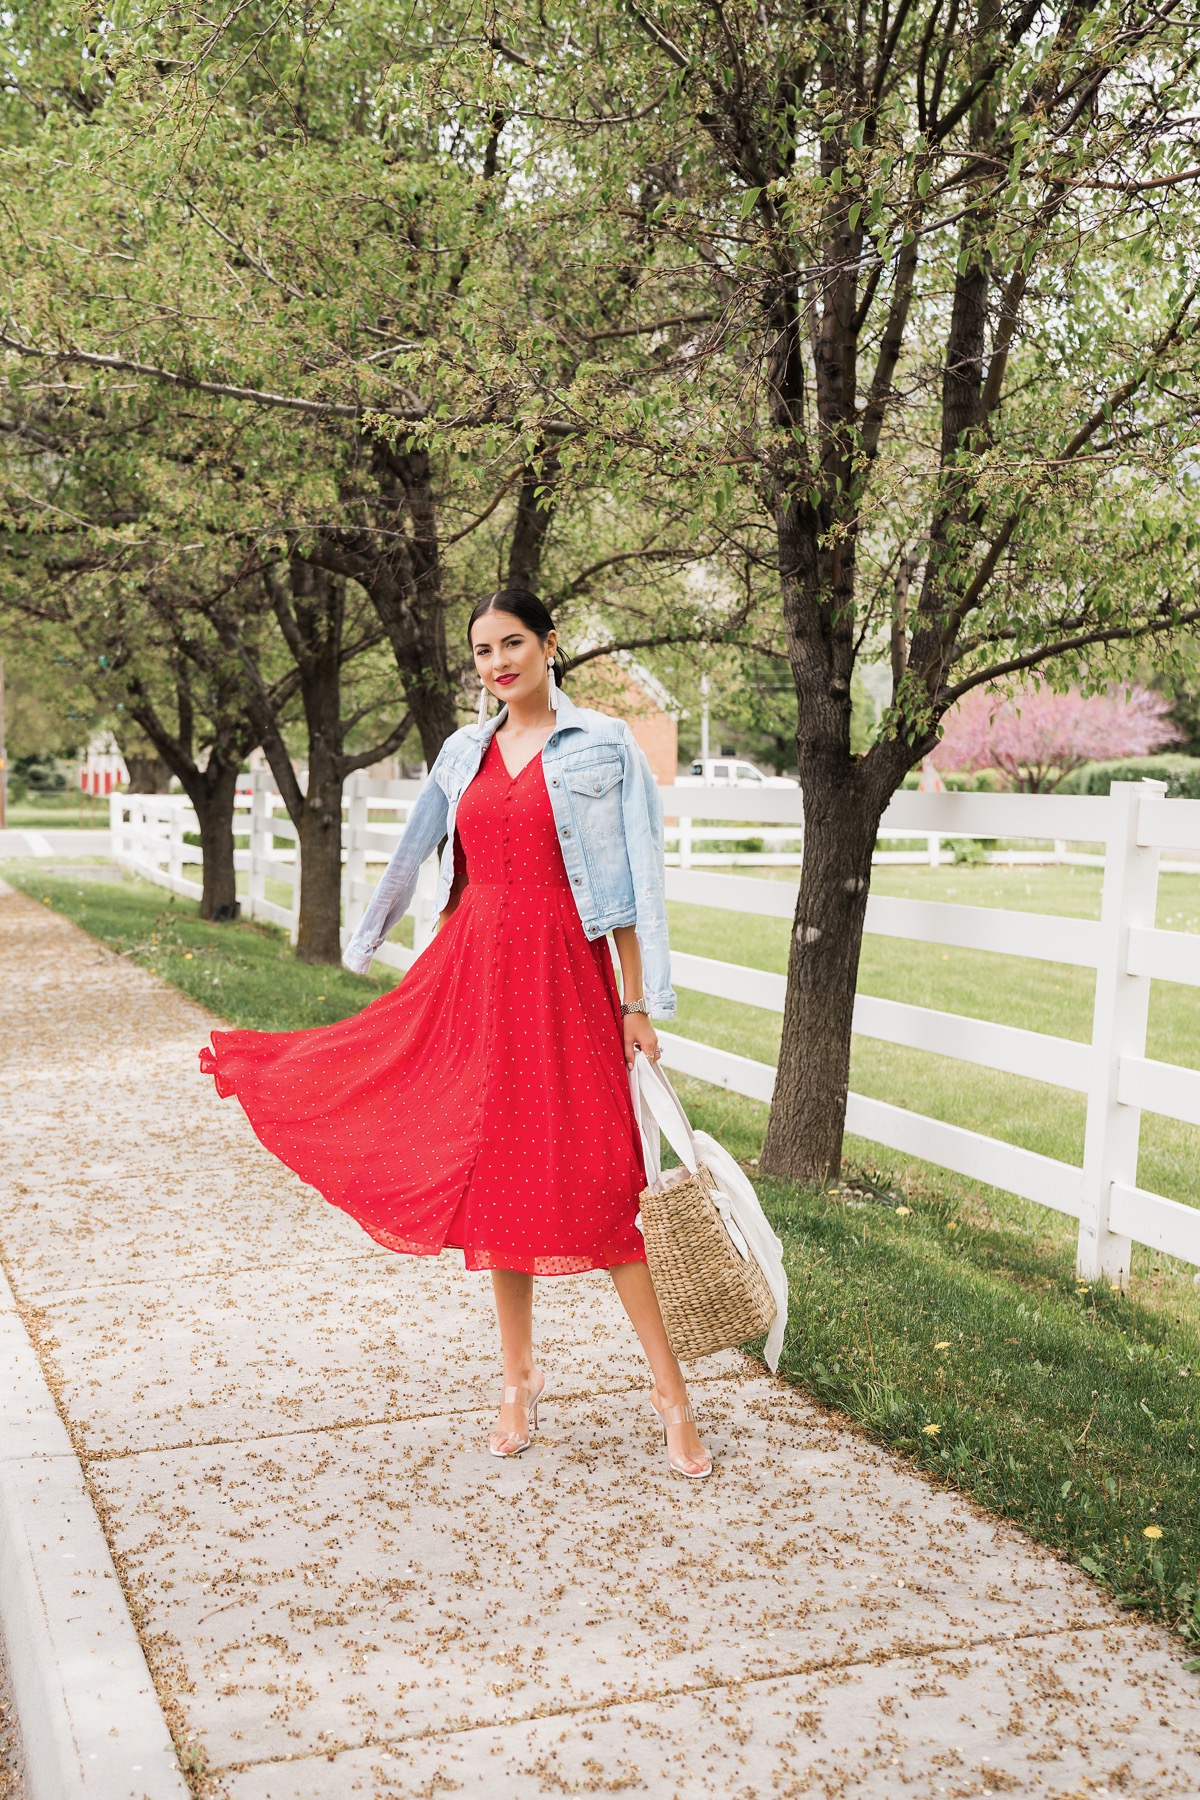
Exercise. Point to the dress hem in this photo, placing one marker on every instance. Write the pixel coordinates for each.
(482, 1261)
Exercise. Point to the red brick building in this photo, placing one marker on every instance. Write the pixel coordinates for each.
(620, 686)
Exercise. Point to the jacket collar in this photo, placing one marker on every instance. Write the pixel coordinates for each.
(569, 719)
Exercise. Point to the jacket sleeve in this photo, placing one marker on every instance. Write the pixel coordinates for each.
(390, 901)
(643, 816)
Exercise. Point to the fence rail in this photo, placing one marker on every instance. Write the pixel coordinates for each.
(1133, 826)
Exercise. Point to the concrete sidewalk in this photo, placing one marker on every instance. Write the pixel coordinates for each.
(63, 842)
(339, 1593)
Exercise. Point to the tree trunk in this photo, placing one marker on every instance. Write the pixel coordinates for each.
(319, 936)
(808, 1107)
(430, 699)
(148, 773)
(402, 574)
(212, 796)
(318, 600)
(210, 789)
(311, 611)
(533, 518)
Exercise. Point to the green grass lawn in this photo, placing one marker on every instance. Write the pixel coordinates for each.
(1040, 996)
(943, 1316)
(71, 810)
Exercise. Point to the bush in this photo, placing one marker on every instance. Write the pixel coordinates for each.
(17, 790)
(970, 851)
(44, 778)
(1181, 774)
(961, 781)
(747, 846)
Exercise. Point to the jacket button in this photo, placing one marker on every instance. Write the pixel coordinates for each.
(596, 788)
(575, 879)
(554, 740)
(566, 831)
(554, 781)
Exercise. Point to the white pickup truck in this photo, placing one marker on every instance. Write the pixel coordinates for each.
(727, 771)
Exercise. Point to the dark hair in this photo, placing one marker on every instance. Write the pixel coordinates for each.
(524, 604)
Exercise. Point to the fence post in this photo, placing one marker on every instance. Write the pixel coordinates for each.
(116, 832)
(1110, 1146)
(175, 846)
(685, 840)
(294, 927)
(136, 831)
(934, 846)
(354, 869)
(260, 843)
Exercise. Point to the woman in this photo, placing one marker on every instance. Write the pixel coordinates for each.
(484, 1103)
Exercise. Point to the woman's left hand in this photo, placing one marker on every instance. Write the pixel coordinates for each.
(640, 1035)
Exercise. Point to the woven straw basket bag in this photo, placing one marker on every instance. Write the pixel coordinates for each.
(715, 1263)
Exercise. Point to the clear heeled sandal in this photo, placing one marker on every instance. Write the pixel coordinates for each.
(680, 1415)
(524, 1397)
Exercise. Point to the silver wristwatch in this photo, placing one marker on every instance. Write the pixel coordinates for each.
(632, 1006)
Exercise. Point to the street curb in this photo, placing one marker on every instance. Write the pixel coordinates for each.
(90, 1724)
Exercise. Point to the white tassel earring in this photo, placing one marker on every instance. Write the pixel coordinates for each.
(553, 687)
(483, 700)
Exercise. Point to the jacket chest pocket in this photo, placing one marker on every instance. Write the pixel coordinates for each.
(594, 783)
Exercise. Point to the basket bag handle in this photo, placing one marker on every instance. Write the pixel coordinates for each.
(658, 1108)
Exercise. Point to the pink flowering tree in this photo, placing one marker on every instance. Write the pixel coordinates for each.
(1035, 737)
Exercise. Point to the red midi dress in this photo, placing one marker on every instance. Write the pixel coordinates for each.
(484, 1103)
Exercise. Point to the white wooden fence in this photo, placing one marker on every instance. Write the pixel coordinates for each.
(1132, 826)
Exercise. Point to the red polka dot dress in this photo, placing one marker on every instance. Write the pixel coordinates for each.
(484, 1103)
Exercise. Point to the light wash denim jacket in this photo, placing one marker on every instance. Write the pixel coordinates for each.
(609, 817)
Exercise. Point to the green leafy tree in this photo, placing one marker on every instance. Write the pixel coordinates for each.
(1181, 684)
(949, 387)
(311, 230)
(50, 711)
(338, 259)
(329, 629)
(895, 311)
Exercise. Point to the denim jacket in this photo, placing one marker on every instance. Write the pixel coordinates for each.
(609, 818)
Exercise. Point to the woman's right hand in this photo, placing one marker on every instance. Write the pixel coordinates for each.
(640, 1035)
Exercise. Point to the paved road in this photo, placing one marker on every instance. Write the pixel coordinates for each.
(59, 844)
(341, 1594)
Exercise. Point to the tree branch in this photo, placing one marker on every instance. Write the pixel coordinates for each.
(222, 390)
(317, 409)
(715, 632)
(890, 348)
(387, 747)
(627, 331)
(659, 37)
(285, 618)
(1107, 634)
(581, 581)
(1082, 436)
